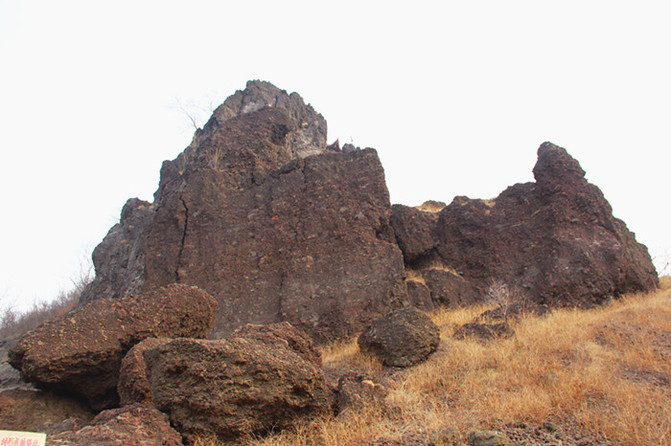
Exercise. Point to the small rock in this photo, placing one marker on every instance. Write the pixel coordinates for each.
(489, 438)
(356, 391)
(484, 331)
(401, 338)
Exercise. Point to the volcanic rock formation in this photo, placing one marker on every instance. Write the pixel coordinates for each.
(258, 214)
(553, 242)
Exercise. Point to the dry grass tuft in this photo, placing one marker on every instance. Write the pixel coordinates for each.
(604, 371)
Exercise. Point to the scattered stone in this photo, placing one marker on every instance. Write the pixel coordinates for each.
(402, 338)
(484, 331)
(489, 438)
(513, 312)
(80, 353)
(356, 391)
(234, 386)
(134, 425)
(33, 410)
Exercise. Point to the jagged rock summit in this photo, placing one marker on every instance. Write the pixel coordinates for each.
(278, 226)
(257, 213)
(554, 242)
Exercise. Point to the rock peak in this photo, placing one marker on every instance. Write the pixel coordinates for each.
(556, 167)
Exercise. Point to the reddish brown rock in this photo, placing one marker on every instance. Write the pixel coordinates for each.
(258, 214)
(401, 338)
(234, 386)
(134, 425)
(133, 386)
(282, 336)
(34, 410)
(356, 391)
(419, 295)
(81, 352)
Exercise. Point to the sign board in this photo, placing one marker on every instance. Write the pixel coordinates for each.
(12, 438)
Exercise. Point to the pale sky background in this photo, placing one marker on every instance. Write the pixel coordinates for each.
(455, 96)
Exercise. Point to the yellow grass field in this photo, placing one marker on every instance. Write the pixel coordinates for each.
(604, 372)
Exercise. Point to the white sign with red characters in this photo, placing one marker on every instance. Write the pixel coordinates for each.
(11, 438)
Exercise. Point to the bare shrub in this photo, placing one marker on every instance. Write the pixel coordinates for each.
(13, 323)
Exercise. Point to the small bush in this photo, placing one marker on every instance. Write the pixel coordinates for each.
(13, 323)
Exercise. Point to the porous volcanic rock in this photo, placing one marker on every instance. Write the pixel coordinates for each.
(419, 295)
(414, 230)
(80, 353)
(401, 338)
(234, 386)
(33, 410)
(258, 214)
(554, 241)
(134, 425)
(133, 386)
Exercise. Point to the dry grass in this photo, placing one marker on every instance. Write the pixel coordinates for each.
(13, 323)
(606, 371)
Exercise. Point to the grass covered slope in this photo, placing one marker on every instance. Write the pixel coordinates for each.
(599, 376)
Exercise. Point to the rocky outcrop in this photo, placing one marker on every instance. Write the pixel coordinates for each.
(258, 214)
(81, 352)
(554, 241)
(134, 425)
(401, 338)
(235, 386)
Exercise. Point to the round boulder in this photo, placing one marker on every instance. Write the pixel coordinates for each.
(401, 338)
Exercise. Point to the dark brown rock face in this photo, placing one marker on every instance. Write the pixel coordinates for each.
(134, 425)
(256, 213)
(81, 352)
(235, 386)
(401, 338)
(553, 242)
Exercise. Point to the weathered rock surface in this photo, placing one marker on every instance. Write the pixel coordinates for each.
(33, 410)
(401, 338)
(554, 241)
(255, 212)
(356, 391)
(134, 425)
(81, 352)
(489, 438)
(133, 386)
(237, 385)
(484, 331)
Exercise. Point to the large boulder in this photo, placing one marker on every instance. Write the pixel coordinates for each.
(134, 425)
(80, 353)
(235, 386)
(256, 212)
(553, 242)
(401, 338)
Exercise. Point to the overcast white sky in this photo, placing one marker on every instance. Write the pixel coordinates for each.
(455, 96)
